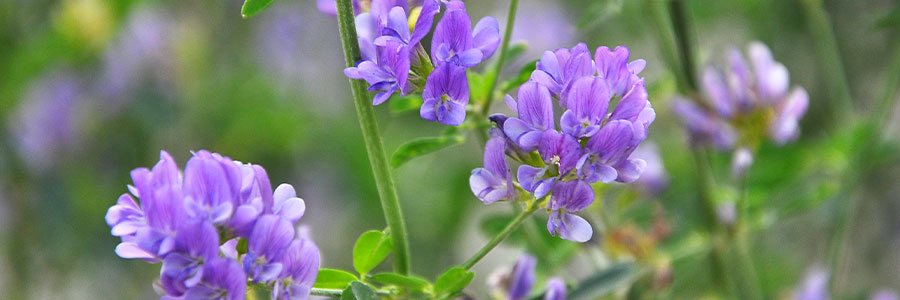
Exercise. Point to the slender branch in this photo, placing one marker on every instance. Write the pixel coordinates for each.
(504, 45)
(882, 110)
(374, 146)
(660, 22)
(499, 237)
(684, 38)
(737, 267)
(829, 58)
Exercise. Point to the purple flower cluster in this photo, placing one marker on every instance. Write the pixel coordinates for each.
(518, 283)
(744, 103)
(193, 224)
(593, 142)
(393, 60)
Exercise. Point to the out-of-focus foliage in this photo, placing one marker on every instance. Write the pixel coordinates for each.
(90, 89)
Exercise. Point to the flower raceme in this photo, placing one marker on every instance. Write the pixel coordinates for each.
(518, 283)
(592, 141)
(193, 223)
(744, 104)
(393, 60)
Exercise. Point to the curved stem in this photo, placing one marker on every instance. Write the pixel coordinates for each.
(499, 237)
(374, 146)
(504, 45)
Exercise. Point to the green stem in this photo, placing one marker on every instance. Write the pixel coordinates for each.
(684, 38)
(504, 45)
(733, 273)
(374, 146)
(499, 237)
(829, 58)
(660, 21)
(844, 222)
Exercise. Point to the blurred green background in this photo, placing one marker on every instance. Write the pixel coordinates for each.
(90, 89)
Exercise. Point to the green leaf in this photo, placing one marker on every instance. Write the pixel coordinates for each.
(422, 146)
(333, 279)
(520, 78)
(604, 282)
(359, 291)
(478, 85)
(252, 7)
(453, 280)
(371, 249)
(514, 51)
(410, 282)
(405, 104)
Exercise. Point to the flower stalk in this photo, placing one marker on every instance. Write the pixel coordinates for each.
(504, 46)
(736, 272)
(502, 235)
(374, 145)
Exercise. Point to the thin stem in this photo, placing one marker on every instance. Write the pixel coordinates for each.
(885, 105)
(374, 146)
(504, 45)
(829, 58)
(684, 38)
(737, 267)
(499, 237)
(839, 241)
(660, 22)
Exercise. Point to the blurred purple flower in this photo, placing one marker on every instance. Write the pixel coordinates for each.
(556, 289)
(522, 278)
(741, 99)
(885, 294)
(141, 52)
(47, 121)
(654, 179)
(814, 286)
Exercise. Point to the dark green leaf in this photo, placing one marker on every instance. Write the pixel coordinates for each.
(406, 103)
(453, 280)
(359, 291)
(423, 146)
(604, 282)
(333, 279)
(371, 249)
(520, 78)
(252, 7)
(410, 282)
